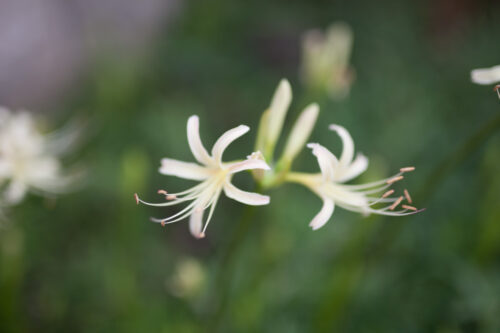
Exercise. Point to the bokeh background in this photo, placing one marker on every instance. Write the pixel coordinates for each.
(91, 261)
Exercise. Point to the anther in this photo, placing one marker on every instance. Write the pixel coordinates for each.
(409, 207)
(407, 169)
(136, 198)
(162, 223)
(162, 192)
(388, 193)
(407, 195)
(393, 180)
(497, 89)
(396, 203)
(171, 197)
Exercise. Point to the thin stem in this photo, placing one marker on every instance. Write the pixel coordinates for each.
(225, 272)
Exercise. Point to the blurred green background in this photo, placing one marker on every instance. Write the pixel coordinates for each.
(92, 262)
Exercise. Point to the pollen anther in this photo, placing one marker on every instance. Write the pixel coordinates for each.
(388, 193)
(407, 169)
(393, 180)
(396, 203)
(409, 207)
(407, 195)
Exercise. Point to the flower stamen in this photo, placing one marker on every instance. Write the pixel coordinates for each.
(407, 196)
(388, 193)
(395, 179)
(407, 169)
(396, 203)
(409, 207)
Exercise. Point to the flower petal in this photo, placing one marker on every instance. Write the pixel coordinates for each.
(248, 164)
(348, 145)
(248, 198)
(225, 140)
(15, 192)
(324, 214)
(196, 222)
(184, 170)
(301, 131)
(486, 75)
(326, 160)
(357, 167)
(277, 111)
(197, 148)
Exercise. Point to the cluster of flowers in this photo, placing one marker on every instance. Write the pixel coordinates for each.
(30, 160)
(215, 175)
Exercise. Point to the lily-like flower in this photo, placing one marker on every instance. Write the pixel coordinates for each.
(214, 174)
(29, 160)
(329, 184)
(325, 60)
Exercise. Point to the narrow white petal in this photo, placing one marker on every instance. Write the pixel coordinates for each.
(15, 192)
(348, 144)
(248, 198)
(277, 111)
(248, 165)
(184, 170)
(357, 167)
(225, 140)
(326, 160)
(324, 214)
(486, 75)
(301, 131)
(196, 222)
(197, 148)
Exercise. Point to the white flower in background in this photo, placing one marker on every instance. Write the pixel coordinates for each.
(325, 60)
(486, 75)
(188, 279)
(271, 125)
(329, 184)
(29, 160)
(215, 177)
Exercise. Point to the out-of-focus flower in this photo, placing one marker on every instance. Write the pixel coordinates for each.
(325, 60)
(270, 127)
(188, 278)
(486, 75)
(328, 184)
(29, 160)
(215, 177)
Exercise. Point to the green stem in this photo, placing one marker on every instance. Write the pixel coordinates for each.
(458, 157)
(224, 275)
(444, 169)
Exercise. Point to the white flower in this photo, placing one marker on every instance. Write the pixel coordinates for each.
(328, 184)
(215, 177)
(486, 75)
(28, 159)
(325, 60)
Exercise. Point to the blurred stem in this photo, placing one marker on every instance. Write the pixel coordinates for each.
(224, 275)
(444, 169)
(458, 157)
